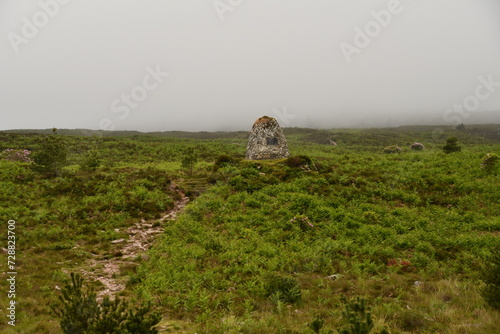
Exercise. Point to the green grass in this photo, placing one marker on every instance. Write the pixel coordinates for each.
(409, 232)
(434, 210)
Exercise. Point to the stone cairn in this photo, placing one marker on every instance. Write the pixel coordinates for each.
(266, 140)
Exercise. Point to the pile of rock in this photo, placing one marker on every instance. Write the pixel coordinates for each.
(266, 140)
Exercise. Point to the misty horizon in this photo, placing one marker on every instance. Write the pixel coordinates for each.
(219, 65)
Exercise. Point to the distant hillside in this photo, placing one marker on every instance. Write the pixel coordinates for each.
(491, 132)
(396, 135)
(167, 134)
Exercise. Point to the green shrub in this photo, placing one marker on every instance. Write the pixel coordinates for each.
(392, 149)
(283, 288)
(78, 309)
(452, 145)
(491, 277)
(52, 156)
(298, 161)
(359, 317)
(224, 160)
(189, 159)
(80, 313)
(490, 162)
(316, 325)
(411, 320)
(91, 161)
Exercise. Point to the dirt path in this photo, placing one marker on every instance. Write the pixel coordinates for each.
(141, 236)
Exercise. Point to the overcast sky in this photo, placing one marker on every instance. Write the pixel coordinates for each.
(157, 65)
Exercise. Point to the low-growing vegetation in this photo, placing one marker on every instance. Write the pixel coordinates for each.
(336, 238)
(81, 312)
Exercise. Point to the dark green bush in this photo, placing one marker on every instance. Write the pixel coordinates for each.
(359, 317)
(189, 159)
(91, 161)
(283, 288)
(78, 309)
(491, 277)
(298, 161)
(316, 325)
(80, 313)
(52, 155)
(452, 145)
(225, 160)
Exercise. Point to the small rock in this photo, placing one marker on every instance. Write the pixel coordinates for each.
(117, 241)
(334, 277)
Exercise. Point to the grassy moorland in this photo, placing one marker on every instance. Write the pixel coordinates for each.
(269, 246)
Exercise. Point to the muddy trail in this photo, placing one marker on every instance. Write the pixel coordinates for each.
(140, 238)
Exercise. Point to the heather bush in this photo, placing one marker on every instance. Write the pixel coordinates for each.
(17, 155)
(489, 163)
(392, 149)
(303, 222)
(417, 146)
